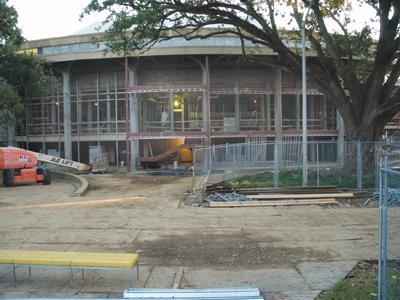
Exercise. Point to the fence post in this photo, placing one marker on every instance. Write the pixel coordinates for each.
(383, 238)
(359, 166)
(318, 164)
(378, 166)
(276, 167)
(193, 168)
(234, 159)
(226, 161)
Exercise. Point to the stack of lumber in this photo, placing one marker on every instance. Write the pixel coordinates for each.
(326, 195)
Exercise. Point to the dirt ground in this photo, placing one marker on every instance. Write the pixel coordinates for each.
(288, 252)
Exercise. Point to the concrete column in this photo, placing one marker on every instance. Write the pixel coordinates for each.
(262, 99)
(7, 135)
(237, 103)
(312, 112)
(67, 114)
(206, 99)
(340, 138)
(278, 116)
(11, 135)
(268, 116)
(324, 114)
(43, 127)
(78, 119)
(204, 109)
(108, 103)
(298, 111)
(171, 110)
(90, 113)
(134, 118)
(97, 110)
(53, 118)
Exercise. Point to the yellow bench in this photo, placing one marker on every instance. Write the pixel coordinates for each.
(70, 260)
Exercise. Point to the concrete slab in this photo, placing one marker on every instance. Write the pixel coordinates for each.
(323, 275)
(266, 279)
(283, 250)
(161, 277)
(305, 295)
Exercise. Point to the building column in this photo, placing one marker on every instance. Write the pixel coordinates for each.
(340, 138)
(90, 115)
(44, 150)
(67, 114)
(237, 101)
(53, 117)
(171, 110)
(9, 131)
(262, 108)
(134, 118)
(108, 78)
(206, 98)
(78, 119)
(298, 111)
(324, 113)
(278, 116)
(268, 111)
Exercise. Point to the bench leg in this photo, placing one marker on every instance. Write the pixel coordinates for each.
(130, 283)
(137, 270)
(14, 276)
(30, 272)
(71, 279)
(83, 276)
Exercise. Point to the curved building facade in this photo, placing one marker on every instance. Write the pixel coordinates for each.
(196, 92)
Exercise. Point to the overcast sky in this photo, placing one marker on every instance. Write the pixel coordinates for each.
(40, 19)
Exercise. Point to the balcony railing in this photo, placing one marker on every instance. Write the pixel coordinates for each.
(217, 125)
(158, 126)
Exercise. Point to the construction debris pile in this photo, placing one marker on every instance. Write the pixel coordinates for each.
(223, 194)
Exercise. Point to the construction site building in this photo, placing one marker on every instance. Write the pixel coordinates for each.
(198, 92)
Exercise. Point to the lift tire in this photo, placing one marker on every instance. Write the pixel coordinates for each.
(8, 177)
(46, 175)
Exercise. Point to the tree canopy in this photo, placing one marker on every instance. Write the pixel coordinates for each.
(21, 75)
(357, 70)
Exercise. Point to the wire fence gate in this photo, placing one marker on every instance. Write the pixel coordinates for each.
(389, 226)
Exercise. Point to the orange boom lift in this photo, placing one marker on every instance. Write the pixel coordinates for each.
(20, 166)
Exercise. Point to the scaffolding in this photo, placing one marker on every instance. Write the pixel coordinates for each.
(171, 98)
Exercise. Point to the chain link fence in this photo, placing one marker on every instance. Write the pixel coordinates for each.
(389, 226)
(350, 165)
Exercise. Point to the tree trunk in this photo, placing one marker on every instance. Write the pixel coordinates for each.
(359, 127)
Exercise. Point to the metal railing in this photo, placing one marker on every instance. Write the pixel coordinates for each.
(272, 164)
(249, 123)
(158, 126)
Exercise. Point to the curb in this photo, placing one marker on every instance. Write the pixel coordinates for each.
(79, 182)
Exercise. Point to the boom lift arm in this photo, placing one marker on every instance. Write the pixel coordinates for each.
(62, 162)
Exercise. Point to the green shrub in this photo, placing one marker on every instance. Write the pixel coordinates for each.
(344, 290)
